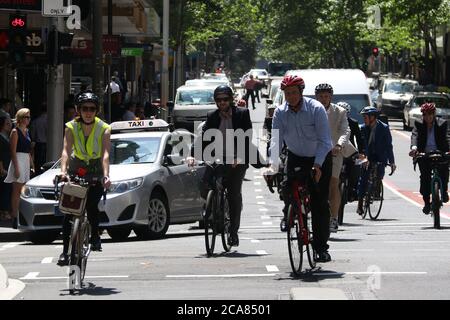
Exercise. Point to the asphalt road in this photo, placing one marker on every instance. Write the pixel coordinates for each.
(399, 256)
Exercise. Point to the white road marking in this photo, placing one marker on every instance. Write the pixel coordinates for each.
(261, 202)
(58, 247)
(255, 241)
(257, 183)
(259, 197)
(265, 217)
(34, 276)
(258, 190)
(10, 245)
(261, 252)
(222, 275)
(271, 268)
(258, 177)
(263, 209)
(412, 241)
(267, 223)
(47, 260)
(369, 273)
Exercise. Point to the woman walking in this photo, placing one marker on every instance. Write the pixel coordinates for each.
(21, 160)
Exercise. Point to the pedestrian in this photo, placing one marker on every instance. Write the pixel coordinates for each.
(5, 108)
(250, 90)
(140, 112)
(130, 112)
(258, 87)
(21, 159)
(39, 137)
(5, 159)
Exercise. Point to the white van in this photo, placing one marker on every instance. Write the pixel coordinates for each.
(349, 85)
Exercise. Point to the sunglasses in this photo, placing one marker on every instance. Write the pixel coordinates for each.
(88, 109)
(27, 117)
(222, 99)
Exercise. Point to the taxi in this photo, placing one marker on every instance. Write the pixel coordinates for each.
(151, 189)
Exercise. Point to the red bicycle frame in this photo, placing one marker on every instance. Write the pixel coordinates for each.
(302, 201)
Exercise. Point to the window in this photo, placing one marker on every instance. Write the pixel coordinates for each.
(134, 150)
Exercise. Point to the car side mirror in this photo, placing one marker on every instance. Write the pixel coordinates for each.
(268, 101)
(47, 165)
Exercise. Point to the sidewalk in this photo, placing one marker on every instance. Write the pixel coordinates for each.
(8, 234)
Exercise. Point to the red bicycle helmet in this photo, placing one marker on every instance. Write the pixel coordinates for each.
(290, 81)
(428, 107)
(242, 103)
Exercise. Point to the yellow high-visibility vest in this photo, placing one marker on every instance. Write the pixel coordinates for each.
(92, 149)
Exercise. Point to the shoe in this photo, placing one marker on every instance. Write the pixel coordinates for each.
(360, 209)
(233, 240)
(323, 257)
(333, 225)
(63, 260)
(96, 244)
(445, 197)
(283, 225)
(427, 208)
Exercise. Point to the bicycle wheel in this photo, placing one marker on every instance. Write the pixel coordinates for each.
(85, 247)
(344, 193)
(226, 223)
(295, 243)
(376, 201)
(436, 205)
(74, 254)
(208, 220)
(365, 206)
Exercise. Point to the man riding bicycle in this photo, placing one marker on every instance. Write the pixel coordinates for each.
(429, 136)
(377, 148)
(229, 118)
(340, 133)
(302, 124)
(86, 149)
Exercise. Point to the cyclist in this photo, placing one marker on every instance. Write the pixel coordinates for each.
(229, 117)
(86, 148)
(377, 148)
(302, 124)
(431, 135)
(340, 133)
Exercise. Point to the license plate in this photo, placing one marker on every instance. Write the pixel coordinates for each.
(57, 212)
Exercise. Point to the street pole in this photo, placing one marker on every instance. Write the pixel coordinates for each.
(55, 101)
(97, 34)
(165, 61)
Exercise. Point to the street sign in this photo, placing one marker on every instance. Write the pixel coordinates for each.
(35, 45)
(56, 8)
(132, 52)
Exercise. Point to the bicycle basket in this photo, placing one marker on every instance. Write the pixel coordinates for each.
(73, 199)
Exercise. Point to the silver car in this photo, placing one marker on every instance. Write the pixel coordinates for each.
(151, 186)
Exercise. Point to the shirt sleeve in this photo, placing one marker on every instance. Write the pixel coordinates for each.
(324, 143)
(344, 130)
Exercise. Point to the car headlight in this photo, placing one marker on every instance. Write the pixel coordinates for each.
(126, 185)
(30, 192)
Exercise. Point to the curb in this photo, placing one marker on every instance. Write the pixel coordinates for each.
(317, 294)
(12, 235)
(9, 288)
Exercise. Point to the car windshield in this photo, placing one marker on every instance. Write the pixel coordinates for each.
(206, 82)
(195, 97)
(134, 150)
(399, 87)
(259, 73)
(442, 103)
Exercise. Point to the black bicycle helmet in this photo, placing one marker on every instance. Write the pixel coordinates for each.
(86, 96)
(223, 89)
(371, 111)
(324, 87)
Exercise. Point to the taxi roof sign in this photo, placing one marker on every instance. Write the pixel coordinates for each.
(140, 125)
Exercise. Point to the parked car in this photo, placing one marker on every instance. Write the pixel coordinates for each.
(208, 82)
(394, 94)
(412, 108)
(151, 187)
(192, 104)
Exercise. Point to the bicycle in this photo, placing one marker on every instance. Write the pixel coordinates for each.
(374, 195)
(437, 159)
(216, 216)
(79, 246)
(344, 183)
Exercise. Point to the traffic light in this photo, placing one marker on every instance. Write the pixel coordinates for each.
(17, 33)
(375, 51)
(64, 51)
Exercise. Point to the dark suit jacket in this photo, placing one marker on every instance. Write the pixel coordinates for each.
(355, 133)
(381, 150)
(240, 119)
(420, 133)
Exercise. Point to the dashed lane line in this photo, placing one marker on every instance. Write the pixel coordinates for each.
(242, 275)
(272, 268)
(34, 276)
(47, 260)
(261, 252)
